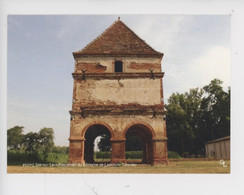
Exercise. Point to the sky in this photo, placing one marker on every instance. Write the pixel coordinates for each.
(40, 62)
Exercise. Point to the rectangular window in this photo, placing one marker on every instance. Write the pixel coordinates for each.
(118, 66)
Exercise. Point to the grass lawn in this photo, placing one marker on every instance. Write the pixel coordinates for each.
(181, 166)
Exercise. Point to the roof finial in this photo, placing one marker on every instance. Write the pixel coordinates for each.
(118, 18)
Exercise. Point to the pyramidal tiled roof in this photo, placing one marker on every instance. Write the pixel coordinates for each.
(118, 39)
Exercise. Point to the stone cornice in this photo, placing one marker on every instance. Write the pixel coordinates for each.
(121, 75)
(120, 110)
(77, 55)
(75, 138)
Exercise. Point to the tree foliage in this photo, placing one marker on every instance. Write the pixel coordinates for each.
(42, 141)
(104, 143)
(197, 116)
(46, 137)
(31, 142)
(34, 147)
(216, 110)
(15, 137)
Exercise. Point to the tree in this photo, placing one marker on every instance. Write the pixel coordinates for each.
(39, 142)
(193, 101)
(216, 110)
(179, 131)
(197, 116)
(15, 137)
(104, 143)
(46, 139)
(31, 142)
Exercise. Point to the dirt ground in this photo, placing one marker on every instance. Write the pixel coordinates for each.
(182, 166)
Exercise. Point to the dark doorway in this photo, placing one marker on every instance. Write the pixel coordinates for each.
(138, 145)
(118, 66)
(91, 134)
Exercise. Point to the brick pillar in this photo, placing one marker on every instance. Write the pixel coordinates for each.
(118, 150)
(160, 154)
(76, 150)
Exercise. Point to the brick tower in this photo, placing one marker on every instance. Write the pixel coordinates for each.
(118, 91)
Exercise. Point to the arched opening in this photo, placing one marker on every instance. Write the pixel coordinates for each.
(93, 135)
(138, 145)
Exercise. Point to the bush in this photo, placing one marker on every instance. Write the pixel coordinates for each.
(172, 154)
(60, 149)
(16, 157)
(57, 158)
(133, 155)
(102, 155)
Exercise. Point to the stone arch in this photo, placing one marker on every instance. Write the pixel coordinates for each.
(146, 134)
(97, 123)
(90, 132)
(146, 125)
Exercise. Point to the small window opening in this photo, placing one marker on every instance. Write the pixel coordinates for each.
(118, 66)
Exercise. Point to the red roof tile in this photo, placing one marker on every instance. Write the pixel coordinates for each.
(118, 40)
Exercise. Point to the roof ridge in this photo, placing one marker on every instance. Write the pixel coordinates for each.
(130, 43)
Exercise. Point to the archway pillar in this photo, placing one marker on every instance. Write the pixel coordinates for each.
(160, 154)
(76, 150)
(118, 150)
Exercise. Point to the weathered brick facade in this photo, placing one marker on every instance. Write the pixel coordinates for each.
(118, 91)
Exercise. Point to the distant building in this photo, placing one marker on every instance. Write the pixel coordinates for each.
(219, 148)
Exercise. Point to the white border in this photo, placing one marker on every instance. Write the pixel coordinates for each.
(132, 183)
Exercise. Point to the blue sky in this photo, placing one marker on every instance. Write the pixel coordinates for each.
(40, 61)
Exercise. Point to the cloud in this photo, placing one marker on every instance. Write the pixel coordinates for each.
(199, 71)
(158, 31)
(215, 63)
